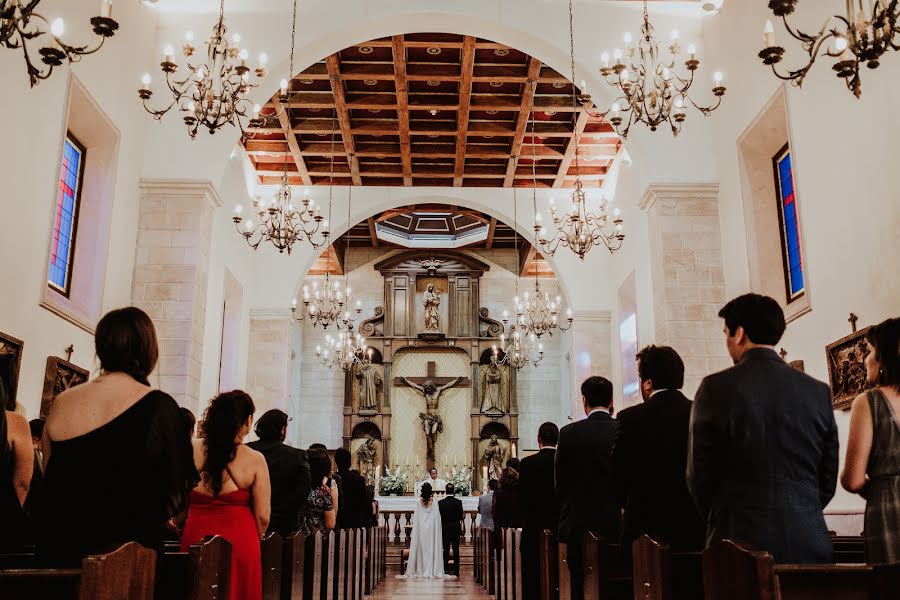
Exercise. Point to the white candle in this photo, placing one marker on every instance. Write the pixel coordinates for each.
(484, 479)
(514, 450)
(769, 34)
(106, 9)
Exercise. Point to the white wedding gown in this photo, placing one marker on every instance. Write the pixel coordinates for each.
(426, 550)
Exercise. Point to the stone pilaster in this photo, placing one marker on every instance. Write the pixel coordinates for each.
(687, 277)
(171, 278)
(269, 360)
(591, 353)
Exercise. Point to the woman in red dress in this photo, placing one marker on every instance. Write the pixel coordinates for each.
(233, 496)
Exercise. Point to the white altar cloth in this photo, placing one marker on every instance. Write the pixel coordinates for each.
(408, 503)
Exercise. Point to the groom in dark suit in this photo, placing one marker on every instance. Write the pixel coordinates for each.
(583, 478)
(451, 525)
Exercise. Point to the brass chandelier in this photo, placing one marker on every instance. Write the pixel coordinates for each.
(650, 89)
(19, 24)
(862, 35)
(214, 94)
(518, 346)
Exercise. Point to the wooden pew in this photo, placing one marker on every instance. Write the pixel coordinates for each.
(124, 574)
(735, 572)
(849, 549)
(293, 561)
(272, 549)
(660, 574)
(201, 573)
(549, 565)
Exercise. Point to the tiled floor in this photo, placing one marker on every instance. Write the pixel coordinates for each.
(430, 589)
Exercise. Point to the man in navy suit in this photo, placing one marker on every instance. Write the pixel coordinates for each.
(451, 509)
(541, 508)
(763, 449)
(583, 477)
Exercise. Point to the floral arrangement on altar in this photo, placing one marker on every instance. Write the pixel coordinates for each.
(461, 479)
(394, 482)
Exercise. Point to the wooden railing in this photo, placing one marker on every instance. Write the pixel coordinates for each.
(396, 521)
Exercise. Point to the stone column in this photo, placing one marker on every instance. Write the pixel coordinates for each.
(591, 353)
(687, 278)
(269, 360)
(171, 278)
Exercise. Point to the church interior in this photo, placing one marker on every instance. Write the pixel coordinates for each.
(417, 226)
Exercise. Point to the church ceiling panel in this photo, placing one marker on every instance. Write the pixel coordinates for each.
(430, 109)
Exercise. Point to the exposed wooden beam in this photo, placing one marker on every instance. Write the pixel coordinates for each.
(580, 123)
(373, 232)
(402, 90)
(492, 230)
(337, 255)
(465, 96)
(526, 257)
(343, 115)
(534, 70)
(285, 120)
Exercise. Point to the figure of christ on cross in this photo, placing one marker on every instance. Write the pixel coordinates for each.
(431, 386)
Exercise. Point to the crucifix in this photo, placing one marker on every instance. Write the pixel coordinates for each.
(853, 319)
(431, 386)
(69, 350)
(783, 354)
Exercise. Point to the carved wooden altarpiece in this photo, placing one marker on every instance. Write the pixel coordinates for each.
(464, 325)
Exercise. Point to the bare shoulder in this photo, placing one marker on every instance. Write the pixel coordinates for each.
(249, 456)
(16, 424)
(861, 404)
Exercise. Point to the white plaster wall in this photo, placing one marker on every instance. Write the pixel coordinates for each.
(846, 178)
(32, 136)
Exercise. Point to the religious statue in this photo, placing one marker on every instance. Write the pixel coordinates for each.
(370, 380)
(365, 454)
(431, 300)
(491, 390)
(431, 421)
(494, 453)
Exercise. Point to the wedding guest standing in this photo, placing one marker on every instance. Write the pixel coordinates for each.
(354, 506)
(650, 457)
(508, 501)
(118, 459)
(232, 498)
(320, 511)
(16, 468)
(763, 449)
(486, 505)
(288, 471)
(872, 468)
(541, 508)
(451, 510)
(583, 482)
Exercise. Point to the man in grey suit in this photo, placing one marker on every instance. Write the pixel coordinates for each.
(763, 447)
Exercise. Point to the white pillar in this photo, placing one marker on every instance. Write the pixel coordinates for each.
(590, 353)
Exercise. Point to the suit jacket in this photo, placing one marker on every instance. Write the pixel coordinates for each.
(486, 510)
(353, 505)
(451, 516)
(649, 464)
(583, 479)
(763, 457)
(536, 480)
(289, 476)
(507, 510)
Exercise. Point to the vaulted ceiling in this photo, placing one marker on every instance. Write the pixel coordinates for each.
(431, 109)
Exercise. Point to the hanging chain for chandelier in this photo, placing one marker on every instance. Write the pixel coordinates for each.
(537, 313)
(652, 91)
(214, 94)
(19, 24)
(579, 229)
(347, 348)
(279, 221)
(866, 32)
(518, 347)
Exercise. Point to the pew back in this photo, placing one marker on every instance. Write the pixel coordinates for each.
(271, 550)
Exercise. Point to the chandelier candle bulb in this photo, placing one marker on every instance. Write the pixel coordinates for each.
(769, 35)
(168, 53)
(146, 80)
(58, 28)
(106, 9)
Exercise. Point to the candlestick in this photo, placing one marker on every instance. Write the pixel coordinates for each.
(484, 479)
(514, 450)
(769, 34)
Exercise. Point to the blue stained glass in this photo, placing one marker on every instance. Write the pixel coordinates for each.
(790, 227)
(67, 199)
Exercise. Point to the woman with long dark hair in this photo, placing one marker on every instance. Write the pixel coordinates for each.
(233, 496)
(872, 468)
(319, 513)
(118, 458)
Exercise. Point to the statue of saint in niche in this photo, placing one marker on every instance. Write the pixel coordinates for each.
(494, 454)
(365, 454)
(431, 300)
(370, 380)
(492, 390)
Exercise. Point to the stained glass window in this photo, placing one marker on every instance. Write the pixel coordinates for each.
(788, 219)
(65, 220)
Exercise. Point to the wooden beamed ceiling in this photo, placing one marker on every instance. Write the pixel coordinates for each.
(431, 109)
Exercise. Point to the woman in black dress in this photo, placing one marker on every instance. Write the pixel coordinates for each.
(16, 459)
(119, 462)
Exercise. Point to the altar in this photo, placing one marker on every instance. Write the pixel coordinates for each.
(408, 503)
(433, 395)
(395, 513)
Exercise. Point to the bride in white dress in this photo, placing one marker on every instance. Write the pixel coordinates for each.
(426, 554)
